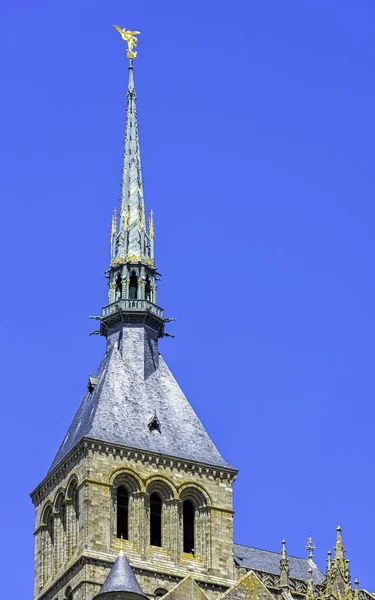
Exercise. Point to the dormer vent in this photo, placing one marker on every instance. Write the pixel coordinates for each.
(154, 424)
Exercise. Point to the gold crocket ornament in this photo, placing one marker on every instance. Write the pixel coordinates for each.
(129, 37)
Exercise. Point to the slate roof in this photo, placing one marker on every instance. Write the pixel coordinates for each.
(269, 562)
(121, 579)
(133, 385)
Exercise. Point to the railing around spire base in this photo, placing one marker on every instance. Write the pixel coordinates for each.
(133, 306)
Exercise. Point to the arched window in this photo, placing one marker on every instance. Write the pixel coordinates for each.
(155, 520)
(48, 539)
(133, 286)
(118, 291)
(72, 517)
(148, 289)
(68, 593)
(60, 531)
(122, 513)
(160, 592)
(50, 528)
(188, 526)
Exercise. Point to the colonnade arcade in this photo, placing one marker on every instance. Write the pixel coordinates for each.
(157, 515)
(58, 531)
(135, 283)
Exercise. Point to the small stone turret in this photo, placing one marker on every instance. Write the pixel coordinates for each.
(121, 583)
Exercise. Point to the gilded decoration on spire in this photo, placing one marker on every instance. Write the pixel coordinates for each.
(151, 231)
(114, 224)
(130, 38)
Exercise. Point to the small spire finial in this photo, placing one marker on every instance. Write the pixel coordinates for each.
(356, 589)
(130, 38)
(122, 546)
(310, 547)
(284, 566)
(339, 548)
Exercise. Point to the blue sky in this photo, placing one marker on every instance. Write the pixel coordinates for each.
(257, 132)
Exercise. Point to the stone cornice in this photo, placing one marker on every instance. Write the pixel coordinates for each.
(90, 445)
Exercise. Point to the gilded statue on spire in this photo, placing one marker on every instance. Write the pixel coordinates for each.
(130, 38)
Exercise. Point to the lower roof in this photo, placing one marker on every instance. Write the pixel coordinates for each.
(269, 562)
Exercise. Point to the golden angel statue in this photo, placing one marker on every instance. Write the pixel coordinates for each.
(130, 38)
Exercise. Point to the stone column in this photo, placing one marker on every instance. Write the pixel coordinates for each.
(69, 527)
(172, 538)
(203, 544)
(57, 541)
(40, 557)
(138, 521)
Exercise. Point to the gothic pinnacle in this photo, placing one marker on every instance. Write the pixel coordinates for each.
(339, 559)
(284, 566)
(310, 586)
(356, 589)
(329, 561)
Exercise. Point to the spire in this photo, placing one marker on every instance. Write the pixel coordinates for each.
(132, 274)
(121, 580)
(337, 580)
(284, 566)
(340, 562)
(130, 239)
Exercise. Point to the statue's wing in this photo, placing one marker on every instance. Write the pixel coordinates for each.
(122, 31)
(134, 32)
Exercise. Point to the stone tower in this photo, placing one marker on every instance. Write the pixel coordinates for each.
(136, 470)
(137, 503)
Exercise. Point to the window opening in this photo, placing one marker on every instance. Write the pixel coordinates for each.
(148, 289)
(188, 526)
(133, 286)
(160, 592)
(51, 527)
(118, 292)
(75, 500)
(155, 520)
(122, 512)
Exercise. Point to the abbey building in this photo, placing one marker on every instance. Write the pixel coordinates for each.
(138, 500)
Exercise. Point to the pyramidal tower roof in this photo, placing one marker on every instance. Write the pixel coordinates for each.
(134, 400)
(121, 579)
